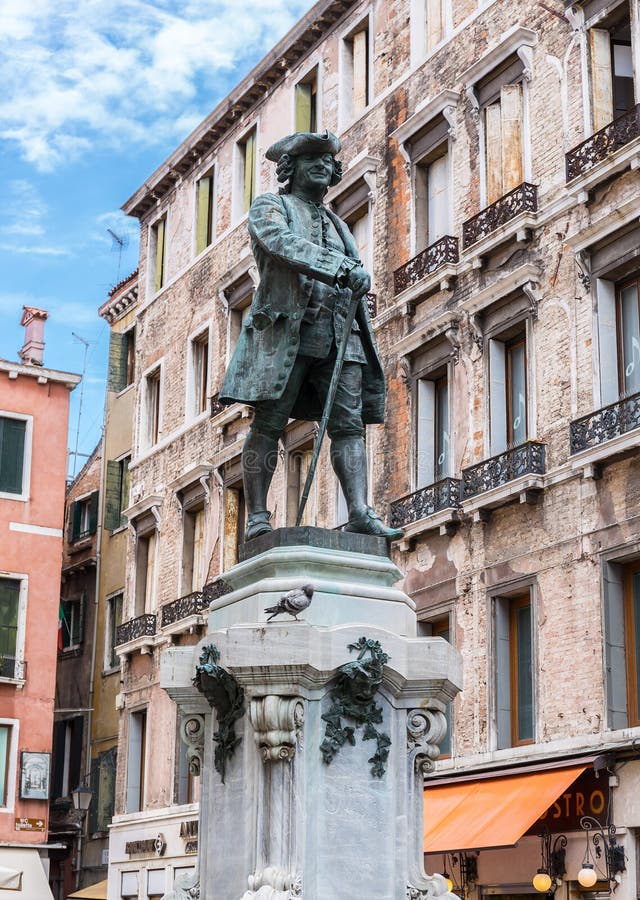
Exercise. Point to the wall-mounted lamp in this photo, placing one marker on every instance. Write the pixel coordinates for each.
(552, 863)
(467, 866)
(600, 848)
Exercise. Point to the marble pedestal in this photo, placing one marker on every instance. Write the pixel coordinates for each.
(285, 823)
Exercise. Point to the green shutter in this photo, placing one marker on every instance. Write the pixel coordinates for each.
(93, 512)
(303, 106)
(205, 202)
(125, 481)
(160, 251)
(12, 435)
(75, 519)
(117, 378)
(112, 496)
(249, 170)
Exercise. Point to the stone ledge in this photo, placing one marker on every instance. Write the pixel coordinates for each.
(322, 538)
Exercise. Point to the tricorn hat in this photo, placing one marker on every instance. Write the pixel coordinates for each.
(307, 142)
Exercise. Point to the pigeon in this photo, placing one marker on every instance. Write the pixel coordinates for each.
(293, 602)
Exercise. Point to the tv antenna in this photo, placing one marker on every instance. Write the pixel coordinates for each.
(75, 453)
(120, 242)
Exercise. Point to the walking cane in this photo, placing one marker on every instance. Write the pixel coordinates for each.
(331, 395)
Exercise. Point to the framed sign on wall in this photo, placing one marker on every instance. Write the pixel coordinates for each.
(34, 775)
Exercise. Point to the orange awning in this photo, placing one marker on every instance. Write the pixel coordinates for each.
(490, 812)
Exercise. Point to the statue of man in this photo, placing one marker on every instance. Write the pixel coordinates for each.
(282, 365)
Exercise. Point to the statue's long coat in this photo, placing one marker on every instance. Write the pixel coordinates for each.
(288, 261)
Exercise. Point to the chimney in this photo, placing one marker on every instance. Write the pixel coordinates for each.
(33, 348)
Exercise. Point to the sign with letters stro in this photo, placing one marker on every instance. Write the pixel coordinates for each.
(587, 796)
(24, 824)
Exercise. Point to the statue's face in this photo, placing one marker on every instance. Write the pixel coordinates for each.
(312, 171)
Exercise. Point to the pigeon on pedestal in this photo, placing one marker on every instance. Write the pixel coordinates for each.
(293, 602)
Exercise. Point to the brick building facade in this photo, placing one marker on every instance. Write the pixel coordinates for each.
(490, 177)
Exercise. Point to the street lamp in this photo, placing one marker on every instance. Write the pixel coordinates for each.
(81, 797)
(608, 847)
(552, 864)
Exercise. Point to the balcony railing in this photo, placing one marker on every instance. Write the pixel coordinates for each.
(526, 459)
(189, 605)
(603, 143)
(604, 424)
(523, 198)
(426, 501)
(216, 406)
(142, 626)
(426, 262)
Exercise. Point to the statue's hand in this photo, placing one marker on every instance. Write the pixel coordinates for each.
(359, 281)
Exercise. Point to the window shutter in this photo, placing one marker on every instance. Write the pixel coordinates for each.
(57, 773)
(303, 107)
(435, 24)
(438, 198)
(615, 655)
(80, 619)
(425, 450)
(93, 512)
(124, 489)
(75, 754)
(609, 383)
(75, 519)
(511, 126)
(12, 435)
(601, 77)
(249, 170)
(360, 71)
(160, 251)
(497, 397)
(493, 144)
(203, 235)
(503, 685)
(117, 378)
(112, 496)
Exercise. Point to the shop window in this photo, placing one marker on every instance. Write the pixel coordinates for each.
(205, 197)
(193, 550)
(508, 391)
(66, 756)
(72, 614)
(128, 885)
(621, 584)
(122, 354)
(115, 606)
(158, 253)
(83, 517)
(5, 762)
(152, 407)
(136, 761)
(432, 429)
(356, 81)
(198, 374)
(10, 644)
(146, 553)
(103, 785)
(515, 719)
(306, 102)
(14, 455)
(156, 881)
(246, 183)
(611, 67)
(116, 493)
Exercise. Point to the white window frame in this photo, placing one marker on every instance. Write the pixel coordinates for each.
(301, 79)
(151, 591)
(191, 509)
(23, 578)
(346, 115)
(238, 213)
(449, 366)
(26, 459)
(151, 253)
(209, 170)
(143, 762)
(418, 29)
(12, 762)
(145, 441)
(191, 389)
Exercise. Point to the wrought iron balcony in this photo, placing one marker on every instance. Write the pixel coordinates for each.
(215, 589)
(523, 198)
(603, 143)
(604, 424)
(189, 605)
(426, 501)
(372, 305)
(142, 626)
(216, 406)
(525, 459)
(426, 262)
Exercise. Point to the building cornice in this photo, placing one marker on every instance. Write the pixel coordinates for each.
(42, 375)
(121, 299)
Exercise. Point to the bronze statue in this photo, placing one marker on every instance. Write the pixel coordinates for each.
(286, 354)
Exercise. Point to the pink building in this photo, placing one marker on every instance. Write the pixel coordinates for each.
(34, 413)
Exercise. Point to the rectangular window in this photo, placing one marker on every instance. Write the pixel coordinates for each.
(72, 622)
(122, 353)
(306, 103)
(508, 392)
(234, 522)
(159, 252)
(83, 517)
(504, 152)
(356, 74)
(103, 785)
(193, 551)
(239, 296)
(514, 671)
(247, 186)
(298, 464)
(432, 444)
(114, 618)
(204, 218)
(146, 547)
(199, 374)
(432, 198)
(632, 640)
(156, 884)
(428, 26)
(628, 337)
(152, 407)
(9, 608)
(5, 750)
(360, 226)
(611, 68)
(12, 446)
(66, 756)
(116, 493)
(136, 757)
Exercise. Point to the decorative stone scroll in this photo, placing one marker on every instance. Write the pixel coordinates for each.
(353, 698)
(226, 696)
(192, 734)
(276, 722)
(274, 884)
(425, 729)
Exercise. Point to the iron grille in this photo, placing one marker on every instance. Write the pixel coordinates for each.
(426, 262)
(523, 198)
(604, 424)
(189, 605)
(604, 142)
(525, 459)
(426, 501)
(141, 626)
(216, 406)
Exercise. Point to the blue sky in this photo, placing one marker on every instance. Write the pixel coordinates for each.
(96, 93)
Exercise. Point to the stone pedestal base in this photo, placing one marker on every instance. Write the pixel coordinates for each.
(321, 730)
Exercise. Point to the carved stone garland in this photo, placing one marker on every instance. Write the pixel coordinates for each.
(226, 696)
(353, 698)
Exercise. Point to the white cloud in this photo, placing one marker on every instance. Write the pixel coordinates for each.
(76, 73)
(22, 210)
